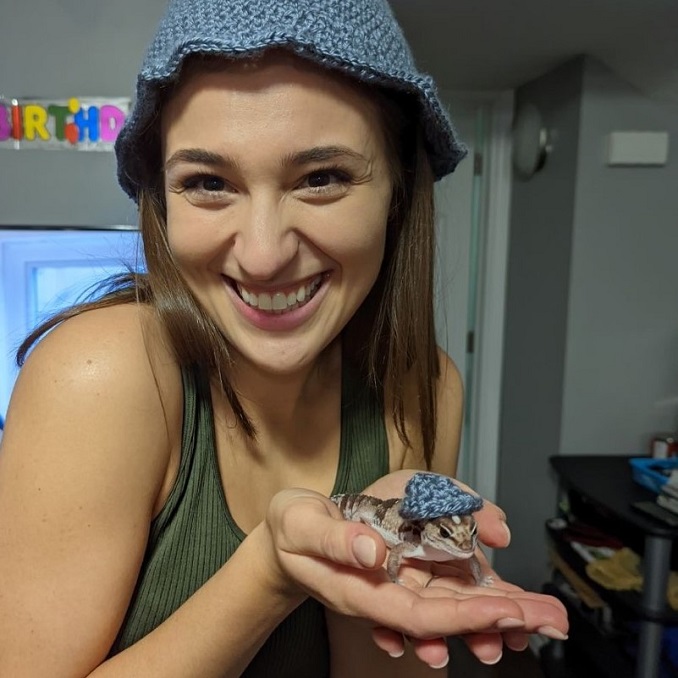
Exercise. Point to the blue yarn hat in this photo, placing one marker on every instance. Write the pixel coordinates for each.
(429, 495)
(360, 38)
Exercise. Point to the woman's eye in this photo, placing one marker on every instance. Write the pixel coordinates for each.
(203, 189)
(319, 179)
(323, 180)
(209, 184)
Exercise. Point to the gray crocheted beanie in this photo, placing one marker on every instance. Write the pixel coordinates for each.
(358, 37)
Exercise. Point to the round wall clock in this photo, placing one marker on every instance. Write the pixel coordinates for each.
(530, 141)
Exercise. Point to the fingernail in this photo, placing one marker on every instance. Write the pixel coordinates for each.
(365, 550)
(396, 654)
(492, 662)
(508, 532)
(551, 632)
(442, 665)
(510, 623)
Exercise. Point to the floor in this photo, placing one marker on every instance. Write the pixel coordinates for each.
(512, 665)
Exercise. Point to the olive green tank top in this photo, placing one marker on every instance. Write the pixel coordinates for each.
(194, 534)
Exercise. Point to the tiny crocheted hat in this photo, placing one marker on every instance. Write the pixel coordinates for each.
(360, 38)
(429, 495)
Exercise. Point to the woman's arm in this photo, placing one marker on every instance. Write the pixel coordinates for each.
(84, 459)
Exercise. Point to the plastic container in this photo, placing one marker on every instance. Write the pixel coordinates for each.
(652, 473)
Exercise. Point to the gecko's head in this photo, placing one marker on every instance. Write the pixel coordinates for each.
(456, 535)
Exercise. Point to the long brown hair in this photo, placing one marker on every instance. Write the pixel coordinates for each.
(391, 338)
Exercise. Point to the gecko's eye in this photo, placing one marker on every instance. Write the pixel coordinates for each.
(444, 532)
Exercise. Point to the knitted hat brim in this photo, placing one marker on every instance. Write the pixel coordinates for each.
(442, 143)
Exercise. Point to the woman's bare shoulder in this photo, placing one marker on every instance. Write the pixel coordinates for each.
(103, 332)
(108, 368)
(449, 409)
(122, 346)
(449, 416)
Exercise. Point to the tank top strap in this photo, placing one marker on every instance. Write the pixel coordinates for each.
(197, 444)
(363, 454)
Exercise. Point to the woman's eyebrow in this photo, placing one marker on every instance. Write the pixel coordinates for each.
(322, 154)
(199, 156)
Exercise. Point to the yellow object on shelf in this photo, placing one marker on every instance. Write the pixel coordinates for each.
(622, 572)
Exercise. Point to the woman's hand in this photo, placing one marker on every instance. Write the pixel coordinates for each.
(493, 531)
(340, 563)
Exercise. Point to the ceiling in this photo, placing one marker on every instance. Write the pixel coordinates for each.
(500, 44)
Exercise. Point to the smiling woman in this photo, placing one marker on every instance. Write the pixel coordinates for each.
(277, 180)
(170, 447)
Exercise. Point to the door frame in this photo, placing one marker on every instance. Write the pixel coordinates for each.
(489, 341)
(479, 467)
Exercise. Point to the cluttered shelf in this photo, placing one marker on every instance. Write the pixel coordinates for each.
(612, 548)
(571, 559)
(590, 650)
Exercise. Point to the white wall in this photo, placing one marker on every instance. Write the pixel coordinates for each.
(591, 352)
(621, 364)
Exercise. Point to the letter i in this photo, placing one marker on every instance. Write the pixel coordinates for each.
(71, 130)
(17, 126)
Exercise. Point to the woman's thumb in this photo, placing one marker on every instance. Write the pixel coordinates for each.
(307, 523)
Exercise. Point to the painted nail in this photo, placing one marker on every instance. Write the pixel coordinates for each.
(509, 623)
(442, 665)
(365, 550)
(551, 632)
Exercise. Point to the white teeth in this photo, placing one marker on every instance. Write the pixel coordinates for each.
(265, 303)
(280, 302)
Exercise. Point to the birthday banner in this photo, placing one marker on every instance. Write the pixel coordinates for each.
(83, 124)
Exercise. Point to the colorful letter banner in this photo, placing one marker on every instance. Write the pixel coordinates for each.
(84, 124)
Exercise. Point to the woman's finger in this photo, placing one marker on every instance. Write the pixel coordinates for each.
(516, 640)
(487, 647)
(391, 642)
(432, 651)
(306, 523)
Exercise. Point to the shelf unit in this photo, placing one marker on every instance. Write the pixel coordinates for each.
(603, 488)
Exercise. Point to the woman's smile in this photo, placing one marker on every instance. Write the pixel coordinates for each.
(278, 189)
(279, 309)
(283, 300)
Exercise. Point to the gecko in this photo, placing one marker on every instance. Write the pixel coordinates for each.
(440, 539)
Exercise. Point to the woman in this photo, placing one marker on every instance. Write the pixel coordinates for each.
(282, 155)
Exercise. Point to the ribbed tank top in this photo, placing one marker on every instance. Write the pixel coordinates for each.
(194, 534)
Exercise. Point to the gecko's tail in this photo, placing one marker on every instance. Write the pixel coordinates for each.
(346, 503)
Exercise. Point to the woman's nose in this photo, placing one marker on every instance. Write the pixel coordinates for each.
(265, 242)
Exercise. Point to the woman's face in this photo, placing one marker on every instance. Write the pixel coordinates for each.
(278, 190)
